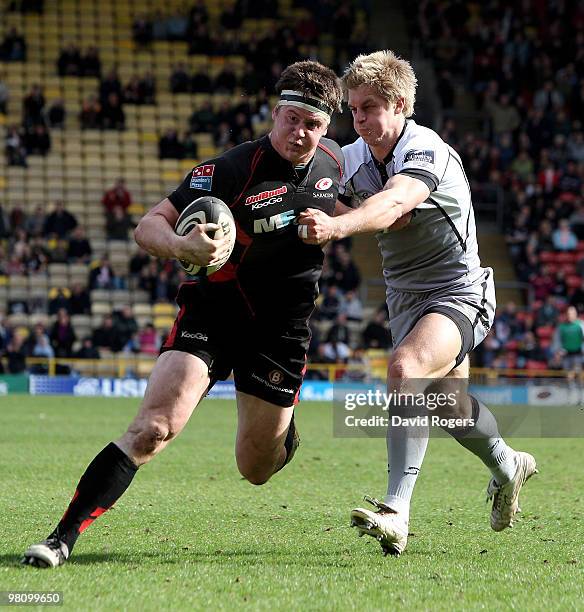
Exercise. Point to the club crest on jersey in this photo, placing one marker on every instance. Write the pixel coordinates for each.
(265, 195)
(202, 177)
(323, 184)
(419, 156)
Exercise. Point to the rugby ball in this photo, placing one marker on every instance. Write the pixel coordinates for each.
(206, 209)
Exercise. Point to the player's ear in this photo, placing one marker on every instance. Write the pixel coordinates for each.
(275, 112)
(399, 105)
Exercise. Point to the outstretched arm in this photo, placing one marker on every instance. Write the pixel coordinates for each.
(400, 195)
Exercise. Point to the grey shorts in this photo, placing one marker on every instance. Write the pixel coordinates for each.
(470, 306)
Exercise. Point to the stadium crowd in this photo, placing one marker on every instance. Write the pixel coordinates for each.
(519, 65)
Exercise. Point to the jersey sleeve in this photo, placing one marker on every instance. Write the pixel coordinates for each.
(211, 178)
(423, 157)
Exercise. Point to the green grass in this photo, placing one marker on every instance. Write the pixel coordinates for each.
(190, 534)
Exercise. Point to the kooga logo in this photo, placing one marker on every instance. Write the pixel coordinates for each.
(195, 336)
(273, 223)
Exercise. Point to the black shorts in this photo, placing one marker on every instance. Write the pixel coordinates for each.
(267, 354)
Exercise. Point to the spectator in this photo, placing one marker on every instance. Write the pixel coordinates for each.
(202, 119)
(133, 92)
(118, 195)
(564, 238)
(148, 88)
(4, 225)
(226, 81)
(112, 116)
(110, 85)
(179, 79)
(339, 332)
(15, 149)
(102, 276)
(90, 115)
(38, 140)
(69, 62)
(90, 63)
(201, 82)
(59, 300)
(80, 302)
(87, 350)
(568, 341)
(170, 147)
(33, 106)
(40, 345)
(13, 48)
(352, 307)
(60, 222)
(346, 275)
(16, 355)
(125, 325)
(142, 30)
(549, 312)
(149, 340)
(105, 336)
(57, 114)
(331, 303)
(118, 224)
(4, 96)
(79, 249)
(138, 261)
(190, 146)
(375, 335)
(63, 335)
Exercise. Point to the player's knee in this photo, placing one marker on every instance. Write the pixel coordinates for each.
(404, 366)
(150, 435)
(255, 474)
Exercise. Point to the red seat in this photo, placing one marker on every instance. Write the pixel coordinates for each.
(570, 257)
(544, 332)
(546, 257)
(573, 281)
(532, 364)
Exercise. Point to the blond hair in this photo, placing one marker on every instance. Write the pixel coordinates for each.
(387, 74)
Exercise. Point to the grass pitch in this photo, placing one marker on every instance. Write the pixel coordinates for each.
(190, 534)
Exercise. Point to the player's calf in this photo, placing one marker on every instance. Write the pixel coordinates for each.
(258, 464)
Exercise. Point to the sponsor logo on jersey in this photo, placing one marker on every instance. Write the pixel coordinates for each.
(420, 156)
(202, 177)
(323, 195)
(266, 203)
(194, 336)
(264, 195)
(269, 224)
(323, 184)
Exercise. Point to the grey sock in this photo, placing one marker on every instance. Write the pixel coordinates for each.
(406, 447)
(484, 441)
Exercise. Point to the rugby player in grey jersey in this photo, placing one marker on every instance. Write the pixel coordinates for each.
(412, 189)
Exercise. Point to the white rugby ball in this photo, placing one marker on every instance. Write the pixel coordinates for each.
(207, 209)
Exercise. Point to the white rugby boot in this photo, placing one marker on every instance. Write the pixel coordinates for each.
(386, 525)
(52, 552)
(506, 496)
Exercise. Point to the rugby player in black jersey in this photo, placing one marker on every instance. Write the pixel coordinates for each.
(249, 318)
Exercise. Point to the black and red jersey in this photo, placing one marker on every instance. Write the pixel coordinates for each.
(270, 264)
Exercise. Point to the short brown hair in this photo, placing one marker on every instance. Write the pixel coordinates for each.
(314, 80)
(387, 74)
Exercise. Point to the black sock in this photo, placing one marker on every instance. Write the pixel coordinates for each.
(103, 483)
(291, 443)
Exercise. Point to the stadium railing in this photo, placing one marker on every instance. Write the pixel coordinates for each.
(373, 369)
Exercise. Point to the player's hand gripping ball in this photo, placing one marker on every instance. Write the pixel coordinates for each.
(207, 209)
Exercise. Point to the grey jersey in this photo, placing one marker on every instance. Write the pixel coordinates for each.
(439, 245)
